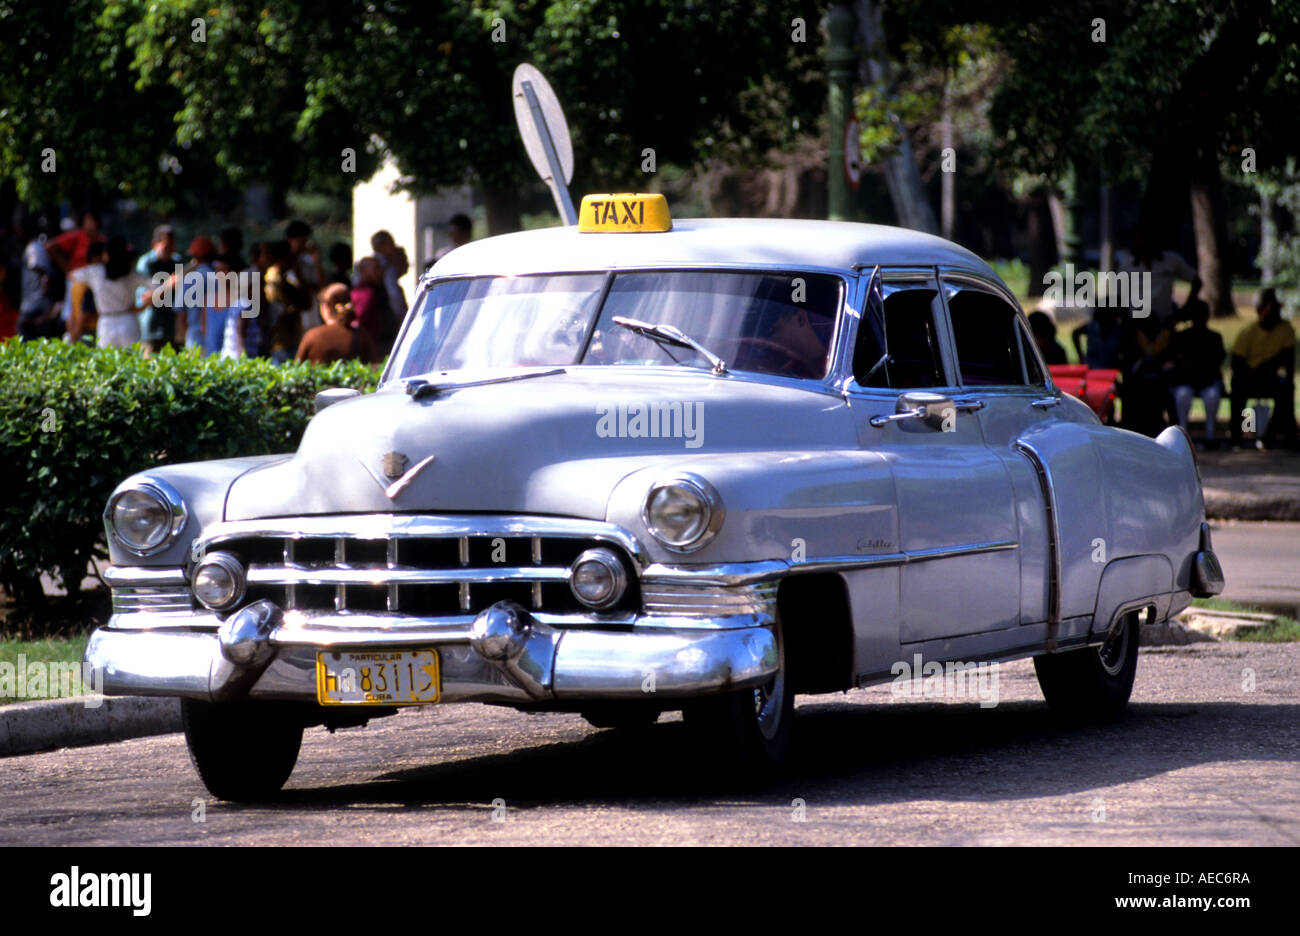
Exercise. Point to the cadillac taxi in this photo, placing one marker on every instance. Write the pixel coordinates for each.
(640, 465)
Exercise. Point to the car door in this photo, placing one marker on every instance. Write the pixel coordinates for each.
(959, 571)
(1051, 462)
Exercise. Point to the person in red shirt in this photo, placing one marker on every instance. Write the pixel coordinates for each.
(68, 250)
(336, 340)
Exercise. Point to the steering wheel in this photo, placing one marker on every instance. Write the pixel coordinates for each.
(787, 364)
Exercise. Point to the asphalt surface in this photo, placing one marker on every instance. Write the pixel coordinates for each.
(1204, 757)
(1261, 563)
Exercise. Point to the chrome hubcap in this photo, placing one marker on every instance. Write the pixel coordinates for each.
(1114, 651)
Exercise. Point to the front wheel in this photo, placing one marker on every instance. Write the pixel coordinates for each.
(747, 731)
(1093, 683)
(243, 751)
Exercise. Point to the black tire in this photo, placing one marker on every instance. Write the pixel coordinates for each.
(243, 751)
(621, 716)
(746, 733)
(1093, 683)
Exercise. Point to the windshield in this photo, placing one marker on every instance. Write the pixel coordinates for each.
(772, 323)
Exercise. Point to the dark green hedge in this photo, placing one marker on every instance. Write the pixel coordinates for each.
(76, 420)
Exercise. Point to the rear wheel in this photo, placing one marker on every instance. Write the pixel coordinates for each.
(1093, 683)
(748, 731)
(243, 751)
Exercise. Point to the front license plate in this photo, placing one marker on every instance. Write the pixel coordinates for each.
(384, 677)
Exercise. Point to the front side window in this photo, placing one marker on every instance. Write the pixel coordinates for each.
(771, 323)
(914, 361)
(984, 329)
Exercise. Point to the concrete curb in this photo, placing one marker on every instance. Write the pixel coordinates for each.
(1242, 505)
(55, 723)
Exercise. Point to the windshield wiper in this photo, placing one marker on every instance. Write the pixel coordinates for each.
(672, 336)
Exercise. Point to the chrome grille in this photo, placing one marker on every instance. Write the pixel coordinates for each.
(413, 574)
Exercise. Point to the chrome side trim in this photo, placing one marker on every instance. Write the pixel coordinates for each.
(1047, 486)
(749, 573)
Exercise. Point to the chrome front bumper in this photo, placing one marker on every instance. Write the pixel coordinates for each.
(504, 654)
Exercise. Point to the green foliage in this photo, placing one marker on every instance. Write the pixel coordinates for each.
(76, 420)
(281, 87)
(67, 81)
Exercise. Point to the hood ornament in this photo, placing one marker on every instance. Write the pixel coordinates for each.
(394, 466)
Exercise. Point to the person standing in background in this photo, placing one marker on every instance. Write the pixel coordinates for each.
(68, 253)
(68, 250)
(119, 291)
(288, 298)
(386, 252)
(158, 323)
(306, 265)
(190, 319)
(459, 232)
(340, 264)
(336, 340)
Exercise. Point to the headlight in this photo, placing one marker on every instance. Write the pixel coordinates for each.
(683, 512)
(218, 581)
(597, 579)
(145, 516)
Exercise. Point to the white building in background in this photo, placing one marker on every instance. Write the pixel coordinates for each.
(418, 223)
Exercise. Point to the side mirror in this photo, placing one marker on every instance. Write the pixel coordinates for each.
(934, 408)
(930, 409)
(334, 395)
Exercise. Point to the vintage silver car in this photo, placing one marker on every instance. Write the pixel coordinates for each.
(637, 466)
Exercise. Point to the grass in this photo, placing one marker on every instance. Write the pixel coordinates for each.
(49, 651)
(1281, 629)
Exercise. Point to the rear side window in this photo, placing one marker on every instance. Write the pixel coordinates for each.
(909, 331)
(984, 328)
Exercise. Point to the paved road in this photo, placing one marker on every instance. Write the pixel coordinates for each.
(1261, 563)
(1198, 761)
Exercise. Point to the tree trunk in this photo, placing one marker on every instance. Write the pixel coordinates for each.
(902, 178)
(1267, 239)
(502, 210)
(1211, 237)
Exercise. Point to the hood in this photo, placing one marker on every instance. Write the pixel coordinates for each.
(556, 443)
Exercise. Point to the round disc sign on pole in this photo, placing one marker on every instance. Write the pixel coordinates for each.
(545, 133)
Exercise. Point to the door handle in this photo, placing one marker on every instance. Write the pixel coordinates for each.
(974, 406)
(1045, 402)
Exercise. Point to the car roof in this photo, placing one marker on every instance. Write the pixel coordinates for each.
(732, 241)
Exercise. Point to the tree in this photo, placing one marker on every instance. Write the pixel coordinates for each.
(72, 124)
(280, 89)
(1166, 91)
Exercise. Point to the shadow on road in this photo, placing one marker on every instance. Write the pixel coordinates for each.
(852, 754)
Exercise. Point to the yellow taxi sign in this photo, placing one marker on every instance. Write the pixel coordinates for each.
(624, 213)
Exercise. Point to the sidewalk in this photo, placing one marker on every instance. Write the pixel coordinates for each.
(1251, 485)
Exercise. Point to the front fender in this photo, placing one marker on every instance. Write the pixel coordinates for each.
(789, 506)
(203, 487)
